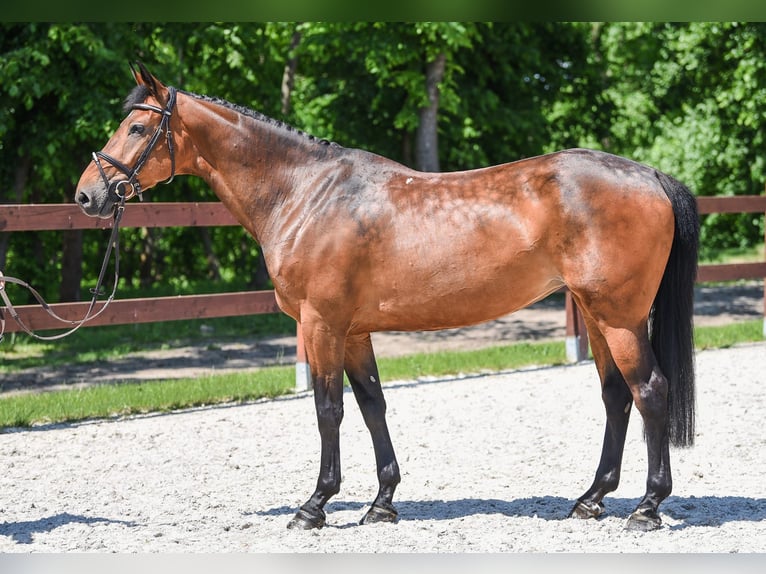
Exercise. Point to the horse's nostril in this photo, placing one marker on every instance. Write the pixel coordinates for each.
(82, 199)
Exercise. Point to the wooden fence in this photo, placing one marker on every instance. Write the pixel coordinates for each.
(49, 217)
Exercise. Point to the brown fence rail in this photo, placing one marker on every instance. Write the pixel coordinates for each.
(62, 216)
(51, 217)
(144, 310)
(732, 204)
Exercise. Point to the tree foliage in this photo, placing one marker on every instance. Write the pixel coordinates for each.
(687, 98)
(684, 97)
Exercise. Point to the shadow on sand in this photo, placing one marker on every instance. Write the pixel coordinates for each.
(689, 511)
(23, 532)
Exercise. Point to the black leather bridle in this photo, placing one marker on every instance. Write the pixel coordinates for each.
(115, 188)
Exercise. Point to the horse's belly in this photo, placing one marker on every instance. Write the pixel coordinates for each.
(436, 305)
(455, 268)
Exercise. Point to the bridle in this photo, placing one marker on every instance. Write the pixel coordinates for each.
(119, 191)
(115, 189)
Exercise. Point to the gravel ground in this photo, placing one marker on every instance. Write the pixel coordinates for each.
(490, 464)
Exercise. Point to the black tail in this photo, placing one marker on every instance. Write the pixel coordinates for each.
(672, 320)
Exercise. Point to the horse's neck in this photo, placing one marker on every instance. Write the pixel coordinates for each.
(253, 166)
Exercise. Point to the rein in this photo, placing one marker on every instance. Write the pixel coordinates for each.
(119, 191)
(114, 243)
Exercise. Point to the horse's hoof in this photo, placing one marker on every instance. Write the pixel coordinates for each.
(304, 520)
(587, 510)
(377, 514)
(643, 521)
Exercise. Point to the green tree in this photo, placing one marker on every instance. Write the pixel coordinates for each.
(366, 85)
(686, 98)
(62, 88)
(53, 80)
(239, 62)
(514, 75)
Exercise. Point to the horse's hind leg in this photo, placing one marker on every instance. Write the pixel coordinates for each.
(618, 402)
(634, 357)
(362, 372)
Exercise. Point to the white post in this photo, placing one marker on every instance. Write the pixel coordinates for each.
(576, 333)
(302, 370)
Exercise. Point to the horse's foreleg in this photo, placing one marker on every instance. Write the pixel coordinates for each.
(618, 402)
(362, 372)
(325, 356)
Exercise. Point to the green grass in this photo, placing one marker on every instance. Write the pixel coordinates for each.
(490, 359)
(19, 351)
(733, 255)
(115, 400)
(727, 335)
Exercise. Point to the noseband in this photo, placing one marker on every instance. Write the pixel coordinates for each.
(120, 189)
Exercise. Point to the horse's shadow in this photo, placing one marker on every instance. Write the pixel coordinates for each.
(689, 511)
(23, 532)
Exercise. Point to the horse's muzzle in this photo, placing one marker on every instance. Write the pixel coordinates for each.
(95, 202)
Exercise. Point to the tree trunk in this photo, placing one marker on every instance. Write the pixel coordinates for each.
(261, 278)
(426, 137)
(71, 265)
(20, 178)
(288, 77)
(407, 158)
(213, 263)
(147, 274)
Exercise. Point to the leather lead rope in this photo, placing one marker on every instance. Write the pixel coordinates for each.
(114, 244)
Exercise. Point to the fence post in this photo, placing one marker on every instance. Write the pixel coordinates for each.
(302, 370)
(576, 333)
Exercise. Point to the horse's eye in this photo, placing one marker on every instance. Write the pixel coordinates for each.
(136, 129)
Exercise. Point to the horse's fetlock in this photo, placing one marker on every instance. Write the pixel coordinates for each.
(660, 486)
(329, 486)
(389, 474)
(610, 481)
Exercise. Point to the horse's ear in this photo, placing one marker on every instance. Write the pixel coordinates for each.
(144, 77)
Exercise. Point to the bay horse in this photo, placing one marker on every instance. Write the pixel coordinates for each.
(357, 243)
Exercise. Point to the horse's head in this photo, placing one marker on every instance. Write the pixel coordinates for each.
(137, 156)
